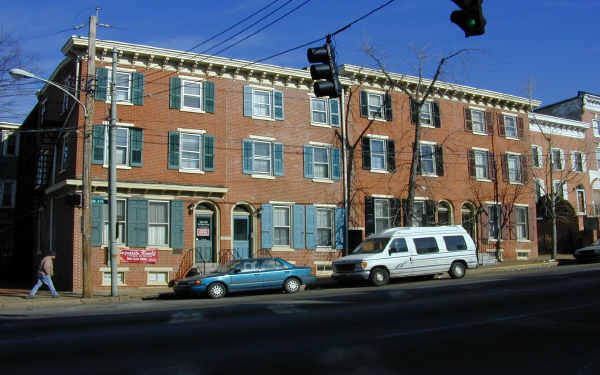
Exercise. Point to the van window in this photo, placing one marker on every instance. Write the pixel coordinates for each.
(454, 243)
(398, 245)
(426, 245)
(371, 246)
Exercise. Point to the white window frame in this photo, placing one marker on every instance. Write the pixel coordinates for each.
(561, 159)
(289, 225)
(157, 270)
(165, 225)
(539, 183)
(418, 213)
(129, 88)
(262, 158)
(313, 110)
(581, 206)
(515, 175)
(429, 106)
(268, 106)
(387, 205)
(3, 184)
(574, 161)
(484, 167)
(596, 128)
(383, 154)
(376, 112)
(537, 153)
(183, 134)
(122, 224)
(106, 276)
(320, 264)
(498, 209)
(560, 185)
(117, 147)
(200, 82)
(482, 128)
(520, 224)
(512, 119)
(4, 136)
(328, 163)
(433, 160)
(330, 229)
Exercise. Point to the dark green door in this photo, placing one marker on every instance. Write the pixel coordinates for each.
(204, 239)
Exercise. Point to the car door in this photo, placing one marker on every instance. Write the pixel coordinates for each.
(399, 257)
(427, 259)
(272, 273)
(245, 275)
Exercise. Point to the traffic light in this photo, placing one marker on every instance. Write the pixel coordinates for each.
(326, 70)
(470, 18)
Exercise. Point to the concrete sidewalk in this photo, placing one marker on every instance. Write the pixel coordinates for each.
(13, 298)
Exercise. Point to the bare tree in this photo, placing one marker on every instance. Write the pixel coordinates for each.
(419, 95)
(11, 56)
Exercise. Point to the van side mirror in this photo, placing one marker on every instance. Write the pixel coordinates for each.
(236, 270)
(393, 250)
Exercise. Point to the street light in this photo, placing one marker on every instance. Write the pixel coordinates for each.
(86, 182)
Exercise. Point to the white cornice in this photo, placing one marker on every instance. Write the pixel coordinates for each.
(557, 125)
(376, 78)
(9, 125)
(150, 187)
(591, 102)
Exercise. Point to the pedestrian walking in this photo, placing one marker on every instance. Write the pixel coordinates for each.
(44, 275)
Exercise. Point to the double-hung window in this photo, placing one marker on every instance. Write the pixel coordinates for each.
(262, 158)
(325, 227)
(494, 217)
(418, 214)
(536, 156)
(192, 95)
(558, 158)
(378, 154)
(581, 206)
(158, 223)
(478, 121)
(121, 222)
(191, 91)
(191, 151)
(325, 111)
(382, 215)
(263, 103)
(281, 226)
(322, 162)
(10, 144)
(426, 114)
(577, 161)
(510, 127)
(375, 104)
(431, 161)
(481, 164)
(514, 168)
(121, 146)
(596, 128)
(129, 86)
(7, 194)
(521, 223)
(128, 146)
(560, 189)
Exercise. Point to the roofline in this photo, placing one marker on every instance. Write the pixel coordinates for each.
(9, 125)
(559, 102)
(558, 120)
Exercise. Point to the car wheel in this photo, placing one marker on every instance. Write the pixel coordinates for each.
(292, 285)
(379, 277)
(216, 290)
(457, 270)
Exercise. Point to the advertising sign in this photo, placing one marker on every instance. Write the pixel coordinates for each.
(138, 255)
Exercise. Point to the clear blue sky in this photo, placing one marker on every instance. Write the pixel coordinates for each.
(552, 42)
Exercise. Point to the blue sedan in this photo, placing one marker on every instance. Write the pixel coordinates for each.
(247, 274)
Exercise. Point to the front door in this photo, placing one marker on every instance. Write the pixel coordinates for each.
(204, 239)
(241, 237)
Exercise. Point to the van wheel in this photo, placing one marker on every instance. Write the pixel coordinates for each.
(457, 270)
(379, 277)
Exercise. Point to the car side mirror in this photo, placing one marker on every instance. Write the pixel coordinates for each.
(236, 270)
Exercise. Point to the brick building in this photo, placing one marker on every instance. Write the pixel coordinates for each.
(9, 153)
(220, 159)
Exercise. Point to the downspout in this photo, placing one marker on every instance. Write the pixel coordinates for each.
(346, 182)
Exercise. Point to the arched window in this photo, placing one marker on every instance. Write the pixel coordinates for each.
(468, 218)
(444, 210)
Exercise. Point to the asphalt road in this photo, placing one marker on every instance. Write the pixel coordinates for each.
(519, 322)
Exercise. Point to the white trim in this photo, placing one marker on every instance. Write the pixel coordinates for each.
(511, 114)
(159, 269)
(384, 196)
(379, 171)
(323, 180)
(324, 205)
(320, 144)
(195, 171)
(376, 136)
(282, 203)
(512, 153)
(119, 269)
(261, 138)
(190, 78)
(263, 176)
(480, 149)
(428, 142)
(471, 107)
(120, 124)
(119, 69)
(193, 131)
(521, 204)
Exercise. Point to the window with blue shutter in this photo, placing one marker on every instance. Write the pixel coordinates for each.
(247, 156)
(177, 224)
(98, 144)
(322, 162)
(248, 101)
(173, 150)
(263, 103)
(340, 227)
(101, 84)
(209, 152)
(336, 170)
(136, 145)
(209, 96)
(175, 93)
(311, 227)
(298, 225)
(266, 218)
(278, 104)
(334, 112)
(308, 162)
(97, 223)
(137, 88)
(137, 225)
(278, 159)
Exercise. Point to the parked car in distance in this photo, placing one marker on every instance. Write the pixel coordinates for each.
(590, 252)
(244, 275)
(411, 251)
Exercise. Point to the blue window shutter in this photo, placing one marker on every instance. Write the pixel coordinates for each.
(311, 227)
(173, 157)
(98, 144)
(334, 112)
(336, 169)
(248, 101)
(298, 226)
(101, 84)
(208, 143)
(177, 227)
(97, 223)
(247, 157)
(175, 93)
(278, 159)
(340, 227)
(136, 146)
(137, 222)
(278, 104)
(308, 162)
(209, 96)
(137, 88)
(266, 220)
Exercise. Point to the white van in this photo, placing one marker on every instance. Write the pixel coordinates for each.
(411, 251)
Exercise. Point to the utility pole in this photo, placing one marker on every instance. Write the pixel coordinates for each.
(86, 185)
(112, 179)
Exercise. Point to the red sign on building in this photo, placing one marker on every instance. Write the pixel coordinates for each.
(138, 255)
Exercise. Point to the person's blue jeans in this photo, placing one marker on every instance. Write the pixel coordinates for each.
(43, 279)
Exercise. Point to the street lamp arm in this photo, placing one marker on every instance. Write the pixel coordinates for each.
(20, 73)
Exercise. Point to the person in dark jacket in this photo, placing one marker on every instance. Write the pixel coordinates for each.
(45, 273)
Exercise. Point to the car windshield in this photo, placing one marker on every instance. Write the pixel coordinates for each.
(371, 246)
(226, 267)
